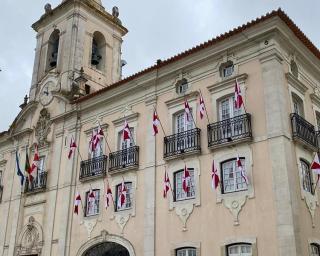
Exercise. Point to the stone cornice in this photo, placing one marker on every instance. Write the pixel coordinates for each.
(179, 100)
(227, 83)
(103, 127)
(296, 83)
(22, 132)
(315, 99)
(130, 118)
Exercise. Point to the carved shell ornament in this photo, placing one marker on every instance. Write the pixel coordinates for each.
(42, 128)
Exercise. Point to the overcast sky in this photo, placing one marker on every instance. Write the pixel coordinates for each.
(157, 30)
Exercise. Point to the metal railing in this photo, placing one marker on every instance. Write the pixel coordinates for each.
(303, 130)
(230, 130)
(96, 166)
(124, 158)
(182, 142)
(37, 183)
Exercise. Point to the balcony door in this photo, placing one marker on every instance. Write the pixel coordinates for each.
(181, 127)
(230, 126)
(40, 172)
(127, 155)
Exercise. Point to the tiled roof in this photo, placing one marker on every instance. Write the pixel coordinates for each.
(281, 14)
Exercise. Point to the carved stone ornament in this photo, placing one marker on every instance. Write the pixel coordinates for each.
(89, 224)
(122, 220)
(235, 204)
(317, 91)
(311, 202)
(42, 128)
(183, 212)
(30, 239)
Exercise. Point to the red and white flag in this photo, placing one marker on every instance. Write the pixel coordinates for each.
(122, 195)
(91, 198)
(92, 141)
(214, 176)
(315, 166)
(186, 179)
(72, 148)
(155, 123)
(77, 202)
(166, 184)
(35, 163)
(126, 131)
(242, 170)
(187, 111)
(238, 101)
(99, 136)
(108, 198)
(202, 107)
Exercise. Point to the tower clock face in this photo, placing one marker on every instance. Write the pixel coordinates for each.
(46, 93)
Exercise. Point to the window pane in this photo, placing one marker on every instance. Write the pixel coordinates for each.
(315, 250)
(240, 250)
(92, 208)
(232, 178)
(128, 203)
(186, 252)
(180, 124)
(179, 192)
(306, 176)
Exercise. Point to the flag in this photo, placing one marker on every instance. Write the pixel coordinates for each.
(242, 171)
(35, 163)
(155, 123)
(202, 107)
(92, 141)
(126, 131)
(91, 198)
(166, 184)
(186, 179)
(108, 197)
(187, 111)
(99, 136)
(214, 176)
(122, 195)
(19, 172)
(238, 101)
(27, 167)
(72, 148)
(77, 202)
(315, 166)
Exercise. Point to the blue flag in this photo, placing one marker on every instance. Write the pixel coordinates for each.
(19, 172)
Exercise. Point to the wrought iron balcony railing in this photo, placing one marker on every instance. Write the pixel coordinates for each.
(303, 131)
(1, 192)
(94, 167)
(39, 183)
(125, 158)
(182, 142)
(230, 131)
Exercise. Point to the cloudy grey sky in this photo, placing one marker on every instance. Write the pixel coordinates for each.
(157, 29)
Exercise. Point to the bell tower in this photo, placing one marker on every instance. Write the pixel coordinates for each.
(78, 38)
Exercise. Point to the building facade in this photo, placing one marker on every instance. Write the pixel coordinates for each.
(77, 89)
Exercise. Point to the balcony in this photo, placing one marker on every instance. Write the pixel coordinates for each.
(36, 185)
(186, 142)
(304, 132)
(230, 131)
(124, 159)
(94, 167)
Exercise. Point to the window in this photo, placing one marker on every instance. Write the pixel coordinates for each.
(180, 194)
(297, 105)
(226, 69)
(232, 180)
(306, 176)
(182, 86)
(124, 144)
(99, 149)
(53, 49)
(181, 124)
(189, 251)
(98, 52)
(239, 250)
(128, 203)
(227, 109)
(315, 250)
(92, 207)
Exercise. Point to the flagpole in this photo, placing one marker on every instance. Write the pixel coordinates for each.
(244, 108)
(160, 122)
(172, 191)
(185, 99)
(205, 107)
(131, 136)
(105, 138)
(78, 148)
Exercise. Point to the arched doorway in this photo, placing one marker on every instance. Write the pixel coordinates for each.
(107, 249)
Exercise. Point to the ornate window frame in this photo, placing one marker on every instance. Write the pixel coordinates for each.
(235, 201)
(184, 208)
(231, 241)
(176, 246)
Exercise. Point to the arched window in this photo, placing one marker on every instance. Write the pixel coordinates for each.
(242, 249)
(186, 251)
(98, 53)
(232, 180)
(297, 105)
(315, 249)
(306, 176)
(53, 49)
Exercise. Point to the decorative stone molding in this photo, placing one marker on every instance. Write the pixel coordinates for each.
(228, 83)
(315, 97)
(121, 220)
(230, 241)
(89, 225)
(127, 115)
(30, 239)
(176, 246)
(184, 208)
(105, 237)
(235, 201)
(42, 128)
(179, 100)
(311, 202)
(296, 83)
